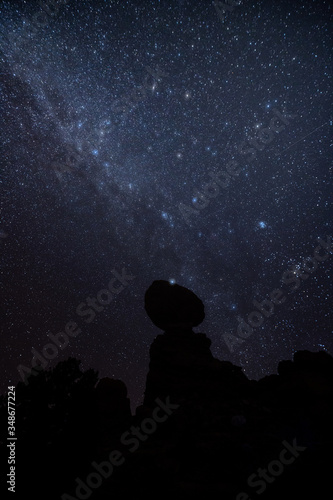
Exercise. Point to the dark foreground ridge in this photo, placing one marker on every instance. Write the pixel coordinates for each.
(204, 430)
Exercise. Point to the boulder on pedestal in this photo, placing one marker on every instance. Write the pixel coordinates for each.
(181, 363)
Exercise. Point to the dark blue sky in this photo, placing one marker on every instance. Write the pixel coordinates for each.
(117, 118)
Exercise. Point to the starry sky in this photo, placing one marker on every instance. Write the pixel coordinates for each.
(116, 117)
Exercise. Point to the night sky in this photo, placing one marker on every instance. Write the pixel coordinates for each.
(117, 116)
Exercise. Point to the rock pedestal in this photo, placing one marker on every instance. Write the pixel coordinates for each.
(181, 363)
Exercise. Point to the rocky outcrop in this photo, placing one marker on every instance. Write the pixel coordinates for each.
(181, 363)
(203, 431)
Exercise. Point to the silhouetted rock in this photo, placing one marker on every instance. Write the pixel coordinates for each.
(172, 306)
(113, 409)
(181, 363)
(223, 428)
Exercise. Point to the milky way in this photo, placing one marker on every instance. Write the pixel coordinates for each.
(175, 141)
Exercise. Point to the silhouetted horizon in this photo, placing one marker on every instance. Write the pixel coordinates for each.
(203, 426)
